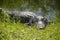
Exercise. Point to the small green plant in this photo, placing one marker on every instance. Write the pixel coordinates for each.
(4, 16)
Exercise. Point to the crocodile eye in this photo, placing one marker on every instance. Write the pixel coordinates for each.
(42, 19)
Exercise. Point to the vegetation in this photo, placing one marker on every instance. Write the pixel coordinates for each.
(9, 30)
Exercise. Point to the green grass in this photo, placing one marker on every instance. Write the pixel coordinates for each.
(18, 31)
